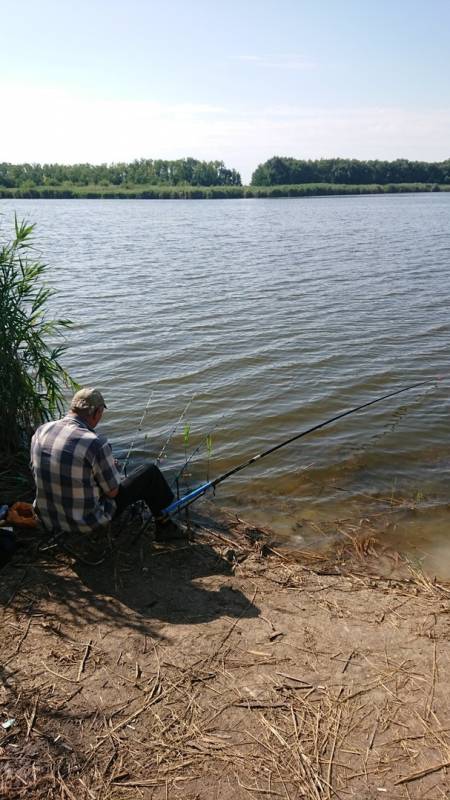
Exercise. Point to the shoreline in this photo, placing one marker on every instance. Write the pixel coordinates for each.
(74, 192)
(223, 667)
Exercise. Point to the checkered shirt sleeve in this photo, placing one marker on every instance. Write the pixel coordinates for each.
(106, 474)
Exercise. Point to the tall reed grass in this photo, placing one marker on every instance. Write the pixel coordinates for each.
(32, 378)
(180, 192)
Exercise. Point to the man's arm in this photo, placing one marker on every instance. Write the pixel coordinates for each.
(105, 471)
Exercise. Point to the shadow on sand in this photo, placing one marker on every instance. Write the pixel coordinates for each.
(134, 583)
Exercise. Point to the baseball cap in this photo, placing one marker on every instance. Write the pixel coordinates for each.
(87, 399)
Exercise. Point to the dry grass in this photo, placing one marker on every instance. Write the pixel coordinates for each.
(224, 669)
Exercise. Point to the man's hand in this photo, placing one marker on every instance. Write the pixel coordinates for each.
(112, 493)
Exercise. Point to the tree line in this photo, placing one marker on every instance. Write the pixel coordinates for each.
(40, 180)
(145, 171)
(279, 171)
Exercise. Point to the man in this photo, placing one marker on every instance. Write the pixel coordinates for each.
(78, 485)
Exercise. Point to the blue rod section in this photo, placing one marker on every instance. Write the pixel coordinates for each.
(177, 505)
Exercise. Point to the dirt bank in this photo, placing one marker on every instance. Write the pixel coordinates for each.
(222, 668)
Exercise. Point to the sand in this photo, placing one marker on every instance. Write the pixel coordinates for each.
(222, 667)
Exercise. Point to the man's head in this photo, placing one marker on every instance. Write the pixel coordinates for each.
(88, 403)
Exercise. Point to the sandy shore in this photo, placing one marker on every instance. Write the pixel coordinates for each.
(222, 668)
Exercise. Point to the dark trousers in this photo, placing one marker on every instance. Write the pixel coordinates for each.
(146, 483)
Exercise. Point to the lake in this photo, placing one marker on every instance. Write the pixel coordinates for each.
(268, 317)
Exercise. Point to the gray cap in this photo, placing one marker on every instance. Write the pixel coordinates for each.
(87, 399)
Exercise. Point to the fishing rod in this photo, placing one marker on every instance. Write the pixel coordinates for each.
(166, 443)
(189, 498)
(138, 431)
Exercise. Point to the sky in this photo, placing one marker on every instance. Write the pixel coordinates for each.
(234, 80)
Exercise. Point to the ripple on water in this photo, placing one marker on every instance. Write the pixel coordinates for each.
(277, 314)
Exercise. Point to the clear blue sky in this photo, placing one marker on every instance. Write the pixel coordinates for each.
(238, 81)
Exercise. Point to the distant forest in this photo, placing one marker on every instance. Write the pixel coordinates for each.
(290, 171)
(143, 171)
(189, 178)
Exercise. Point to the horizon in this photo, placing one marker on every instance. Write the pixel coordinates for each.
(110, 83)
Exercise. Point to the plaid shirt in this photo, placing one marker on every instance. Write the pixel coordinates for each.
(73, 470)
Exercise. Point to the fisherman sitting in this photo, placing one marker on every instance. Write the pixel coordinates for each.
(78, 485)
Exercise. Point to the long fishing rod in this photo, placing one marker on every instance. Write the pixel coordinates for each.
(166, 443)
(189, 498)
(138, 431)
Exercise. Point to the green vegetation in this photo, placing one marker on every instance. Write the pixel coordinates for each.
(189, 179)
(31, 377)
(323, 189)
(209, 447)
(148, 172)
(144, 192)
(216, 192)
(287, 171)
(186, 436)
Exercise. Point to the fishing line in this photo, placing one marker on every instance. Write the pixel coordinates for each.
(138, 431)
(397, 418)
(169, 438)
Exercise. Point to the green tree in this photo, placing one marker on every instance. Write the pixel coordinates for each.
(288, 171)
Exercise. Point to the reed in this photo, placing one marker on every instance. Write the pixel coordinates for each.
(186, 437)
(188, 192)
(209, 447)
(31, 376)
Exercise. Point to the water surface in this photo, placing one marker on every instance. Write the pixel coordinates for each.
(275, 314)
